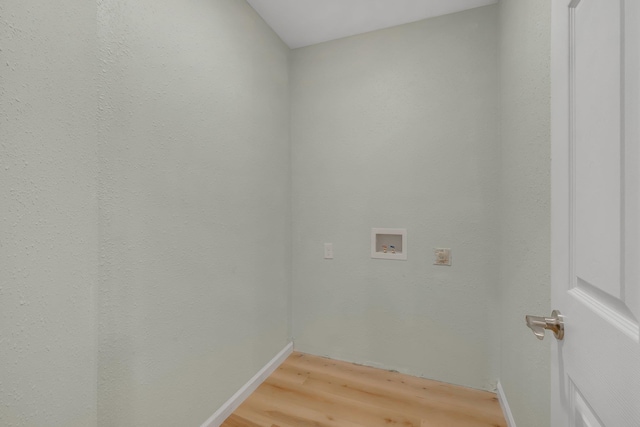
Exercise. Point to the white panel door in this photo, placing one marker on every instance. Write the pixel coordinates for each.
(596, 212)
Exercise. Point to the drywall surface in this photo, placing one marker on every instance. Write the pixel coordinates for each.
(399, 128)
(525, 242)
(48, 213)
(195, 206)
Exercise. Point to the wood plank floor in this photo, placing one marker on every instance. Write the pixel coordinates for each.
(311, 391)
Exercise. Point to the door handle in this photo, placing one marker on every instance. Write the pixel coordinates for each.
(553, 323)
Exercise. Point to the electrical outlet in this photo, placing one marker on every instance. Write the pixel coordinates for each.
(328, 251)
(443, 256)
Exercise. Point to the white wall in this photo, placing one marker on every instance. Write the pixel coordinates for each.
(48, 213)
(525, 231)
(400, 128)
(195, 198)
(164, 197)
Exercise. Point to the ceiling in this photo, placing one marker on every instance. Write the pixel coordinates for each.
(305, 22)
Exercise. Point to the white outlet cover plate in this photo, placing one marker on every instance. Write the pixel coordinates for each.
(328, 251)
(443, 256)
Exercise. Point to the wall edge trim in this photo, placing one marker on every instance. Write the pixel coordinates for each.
(245, 391)
(504, 404)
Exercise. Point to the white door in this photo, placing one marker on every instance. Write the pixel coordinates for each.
(596, 212)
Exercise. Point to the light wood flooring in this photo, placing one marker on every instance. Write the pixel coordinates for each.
(311, 391)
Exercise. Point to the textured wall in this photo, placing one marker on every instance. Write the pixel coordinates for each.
(396, 128)
(399, 128)
(525, 260)
(48, 213)
(195, 196)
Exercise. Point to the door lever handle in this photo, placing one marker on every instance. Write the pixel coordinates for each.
(553, 323)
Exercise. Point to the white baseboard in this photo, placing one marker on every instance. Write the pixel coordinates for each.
(505, 406)
(245, 391)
